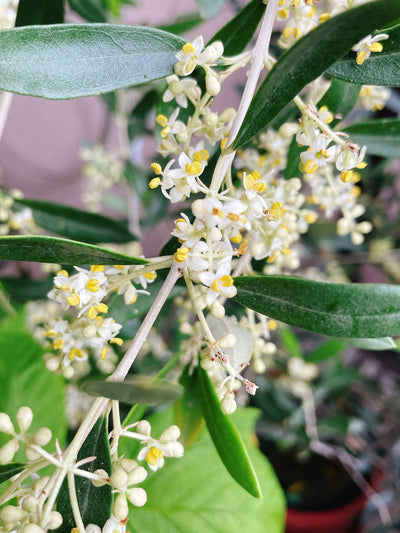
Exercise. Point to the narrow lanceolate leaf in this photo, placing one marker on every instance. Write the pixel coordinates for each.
(39, 12)
(380, 344)
(227, 439)
(338, 310)
(73, 60)
(10, 470)
(381, 137)
(309, 58)
(136, 389)
(379, 69)
(90, 10)
(237, 33)
(40, 249)
(94, 502)
(209, 8)
(77, 224)
(188, 412)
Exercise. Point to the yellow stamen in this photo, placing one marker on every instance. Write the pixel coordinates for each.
(259, 187)
(223, 142)
(296, 33)
(310, 218)
(154, 183)
(92, 313)
(202, 155)
(310, 166)
(355, 191)
(103, 352)
(150, 275)
(217, 212)
(102, 308)
(276, 209)
(181, 255)
(153, 456)
(51, 333)
(237, 238)
(272, 324)
(75, 352)
(286, 251)
(58, 343)
(227, 280)
(97, 268)
(346, 176)
(361, 57)
(361, 165)
(271, 258)
(156, 167)
(162, 120)
(73, 299)
(63, 273)
(323, 17)
(283, 13)
(165, 132)
(215, 286)
(93, 285)
(64, 287)
(287, 32)
(233, 216)
(193, 168)
(376, 47)
(188, 49)
(117, 340)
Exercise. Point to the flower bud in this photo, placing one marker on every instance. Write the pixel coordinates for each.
(213, 52)
(128, 464)
(217, 309)
(120, 507)
(30, 504)
(227, 341)
(144, 428)
(100, 483)
(227, 115)
(170, 434)
(42, 436)
(213, 86)
(93, 528)
(55, 520)
(228, 404)
(8, 451)
(259, 366)
(206, 362)
(357, 238)
(119, 478)
(176, 449)
(32, 528)
(10, 513)
(137, 496)
(31, 454)
(24, 418)
(6, 426)
(53, 364)
(89, 332)
(137, 475)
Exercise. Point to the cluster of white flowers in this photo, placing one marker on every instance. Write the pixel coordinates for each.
(101, 171)
(13, 218)
(87, 332)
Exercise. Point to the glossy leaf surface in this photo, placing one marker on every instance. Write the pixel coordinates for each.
(188, 410)
(378, 69)
(135, 389)
(10, 470)
(348, 310)
(94, 502)
(381, 137)
(41, 249)
(227, 439)
(77, 224)
(74, 60)
(309, 58)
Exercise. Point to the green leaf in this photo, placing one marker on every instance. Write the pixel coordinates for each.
(10, 470)
(378, 69)
(340, 98)
(325, 351)
(379, 344)
(196, 493)
(73, 60)
(291, 342)
(293, 159)
(334, 309)
(381, 137)
(25, 289)
(309, 58)
(94, 502)
(41, 249)
(89, 10)
(140, 113)
(39, 12)
(76, 224)
(25, 381)
(209, 8)
(182, 24)
(237, 33)
(227, 439)
(135, 389)
(188, 410)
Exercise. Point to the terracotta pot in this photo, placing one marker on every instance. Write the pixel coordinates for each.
(344, 519)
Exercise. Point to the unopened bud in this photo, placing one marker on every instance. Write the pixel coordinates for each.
(52, 364)
(213, 86)
(30, 504)
(217, 309)
(128, 464)
(31, 454)
(137, 475)
(119, 478)
(227, 341)
(8, 451)
(55, 520)
(228, 404)
(97, 482)
(89, 332)
(137, 496)
(144, 428)
(32, 528)
(206, 363)
(9, 513)
(24, 418)
(120, 508)
(42, 436)
(6, 426)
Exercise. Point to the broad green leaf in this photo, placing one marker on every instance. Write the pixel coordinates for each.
(309, 58)
(25, 289)
(26, 382)
(381, 137)
(94, 502)
(328, 349)
(188, 410)
(77, 224)
(73, 60)
(291, 342)
(227, 439)
(209, 8)
(379, 344)
(135, 389)
(10, 470)
(39, 12)
(41, 249)
(196, 493)
(378, 69)
(340, 98)
(237, 33)
(338, 310)
(90, 10)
